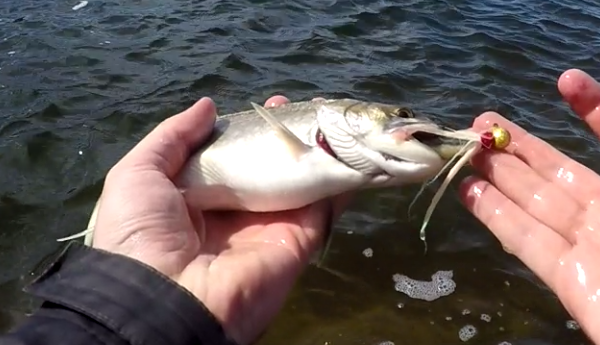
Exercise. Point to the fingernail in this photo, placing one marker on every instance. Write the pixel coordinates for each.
(472, 187)
(469, 180)
(272, 105)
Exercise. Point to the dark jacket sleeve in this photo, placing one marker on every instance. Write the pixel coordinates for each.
(94, 297)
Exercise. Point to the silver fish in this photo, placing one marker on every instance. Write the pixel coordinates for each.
(283, 158)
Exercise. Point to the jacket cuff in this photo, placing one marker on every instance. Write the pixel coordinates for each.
(131, 299)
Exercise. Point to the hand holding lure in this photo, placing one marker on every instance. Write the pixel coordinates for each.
(496, 138)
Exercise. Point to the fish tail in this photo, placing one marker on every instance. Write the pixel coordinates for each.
(87, 233)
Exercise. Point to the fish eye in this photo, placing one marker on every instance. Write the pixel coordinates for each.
(403, 113)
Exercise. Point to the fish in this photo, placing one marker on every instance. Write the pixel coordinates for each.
(287, 157)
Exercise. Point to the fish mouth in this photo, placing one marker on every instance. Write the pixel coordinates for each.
(421, 135)
(446, 147)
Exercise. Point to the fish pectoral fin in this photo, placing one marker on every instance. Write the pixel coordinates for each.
(296, 146)
(76, 236)
(89, 232)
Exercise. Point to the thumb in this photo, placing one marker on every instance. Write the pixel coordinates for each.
(169, 145)
(582, 93)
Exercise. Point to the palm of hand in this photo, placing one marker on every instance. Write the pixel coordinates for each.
(240, 265)
(544, 207)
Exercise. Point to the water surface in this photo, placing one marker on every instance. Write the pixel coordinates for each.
(79, 88)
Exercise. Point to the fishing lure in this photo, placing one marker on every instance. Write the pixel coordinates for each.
(495, 138)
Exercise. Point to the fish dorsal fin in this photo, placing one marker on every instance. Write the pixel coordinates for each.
(296, 146)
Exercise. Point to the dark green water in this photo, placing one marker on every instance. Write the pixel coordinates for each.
(79, 88)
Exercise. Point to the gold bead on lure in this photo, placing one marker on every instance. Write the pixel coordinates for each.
(501, 137)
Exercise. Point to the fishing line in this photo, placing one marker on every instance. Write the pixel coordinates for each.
(494, 138)
(444, 168)
(472, 148)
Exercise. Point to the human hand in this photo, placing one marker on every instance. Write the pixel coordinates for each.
(548, 216)
(240, 265)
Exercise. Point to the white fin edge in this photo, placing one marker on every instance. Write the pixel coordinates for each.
(89, 232)
(296, 146)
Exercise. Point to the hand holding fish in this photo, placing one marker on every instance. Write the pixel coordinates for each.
(178, 201)
(545, 207)
(240, 265)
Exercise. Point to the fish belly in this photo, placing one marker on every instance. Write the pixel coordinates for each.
(262, 175)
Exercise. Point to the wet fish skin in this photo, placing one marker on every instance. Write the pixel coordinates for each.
(245, 166)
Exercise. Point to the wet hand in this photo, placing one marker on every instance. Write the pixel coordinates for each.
(240, 265)
(545, 207)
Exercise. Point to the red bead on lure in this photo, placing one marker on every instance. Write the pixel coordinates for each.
(497, 138)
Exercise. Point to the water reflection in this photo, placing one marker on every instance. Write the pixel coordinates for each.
(79, 88)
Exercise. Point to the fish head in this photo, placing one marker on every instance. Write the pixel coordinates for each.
(381, 138)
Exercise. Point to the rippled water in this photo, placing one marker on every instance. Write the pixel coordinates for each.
(79, 88)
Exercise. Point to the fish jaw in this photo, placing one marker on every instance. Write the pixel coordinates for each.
(379, 140)
(414, 158)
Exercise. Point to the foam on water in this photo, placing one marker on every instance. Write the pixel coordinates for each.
(467, 332)
(441, 285)
(572, 324)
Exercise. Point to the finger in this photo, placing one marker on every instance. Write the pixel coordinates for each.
(276, 101)
(541, 199)
(578, 181)
(520, 234)
(582, 93)
(340, 203)
(169, 145)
